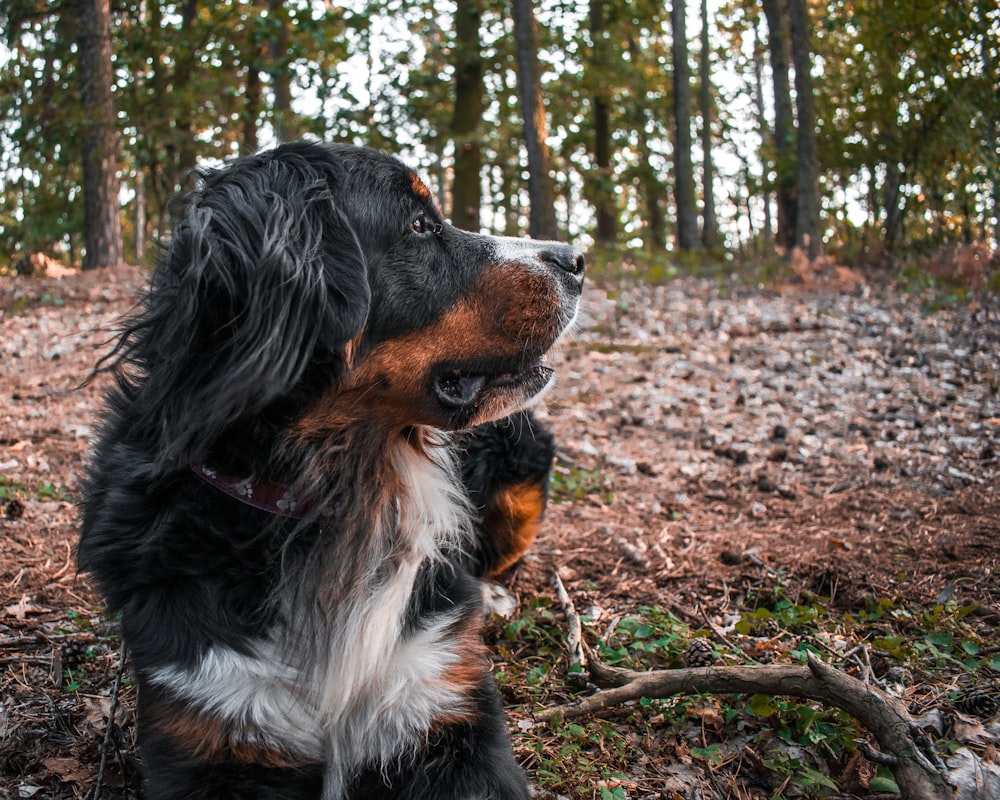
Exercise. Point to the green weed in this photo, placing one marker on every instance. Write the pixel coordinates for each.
(804, 747)
(11, 489)
(569, 483)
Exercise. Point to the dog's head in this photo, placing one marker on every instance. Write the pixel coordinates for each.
(319, 285)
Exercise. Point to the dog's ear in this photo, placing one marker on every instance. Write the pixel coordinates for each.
(263, 276)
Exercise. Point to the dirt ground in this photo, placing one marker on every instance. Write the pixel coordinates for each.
(712, 438)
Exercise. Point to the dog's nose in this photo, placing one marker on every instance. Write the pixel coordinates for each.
(565, 257)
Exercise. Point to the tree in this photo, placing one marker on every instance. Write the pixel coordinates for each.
(602, 193)
(181, 144)
(764, 131)
(40, 118)
(911, 120)
(466, 187)
(807, 232)
(907, 133)
(990, 54)
(710, 223)
(687, 220)
(253, 100)
(101, 214)
(541, 193)
(784, 130)
(277, 49)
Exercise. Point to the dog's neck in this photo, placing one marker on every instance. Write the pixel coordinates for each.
(291, 501)
(274, 498)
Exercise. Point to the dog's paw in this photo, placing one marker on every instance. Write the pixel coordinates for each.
(497, 600)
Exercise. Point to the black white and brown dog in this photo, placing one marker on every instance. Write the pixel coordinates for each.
(315, 451)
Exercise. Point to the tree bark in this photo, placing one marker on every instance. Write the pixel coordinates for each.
(604, 190)
(253, 54)
(466, 191)
(765, 135)
(784, 132)
(710, 222)
(184, 146)
(277, 51)
(541, 191)
(893, 214)
(687, 219)
(807, 232)
(992, 144)
(101, 214)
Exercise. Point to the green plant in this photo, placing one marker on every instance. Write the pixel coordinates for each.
(11, 488)
(803, 747)
(570, 482)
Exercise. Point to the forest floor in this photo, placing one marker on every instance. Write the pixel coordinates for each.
(767, 471)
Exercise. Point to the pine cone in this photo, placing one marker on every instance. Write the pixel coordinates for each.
(13, 509)
(700, 653)
(979, 701)
(73, 653)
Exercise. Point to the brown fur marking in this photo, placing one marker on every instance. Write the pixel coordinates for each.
(511, 523)
(509, 310)
(211, 739)
(466, 674)
(419, 187)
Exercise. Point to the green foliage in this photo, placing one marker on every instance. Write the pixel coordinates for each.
(11, 489)
(804, 747)
(569, 482)
(907, 133)
(653, 636)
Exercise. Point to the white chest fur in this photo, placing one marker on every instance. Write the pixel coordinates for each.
(367, 688)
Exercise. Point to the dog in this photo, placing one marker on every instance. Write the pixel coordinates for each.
(316, 449)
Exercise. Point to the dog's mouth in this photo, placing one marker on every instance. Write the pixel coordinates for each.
(467, 387)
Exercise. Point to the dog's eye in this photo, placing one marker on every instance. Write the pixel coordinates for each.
(423, 225)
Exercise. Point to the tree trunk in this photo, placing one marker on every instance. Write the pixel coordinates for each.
(139, 221)
(253, 54)
(783, 123)
(687, 219)
(541, 192)
(992, 145)
(893, 218)
(466, 191)
(101, 214)
(140, 215)
(710, 222)
(604, 189)
(807, 232)
(284, 122)
(765, 134)
(184, 147)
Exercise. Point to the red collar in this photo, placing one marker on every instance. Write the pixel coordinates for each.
(274, 498)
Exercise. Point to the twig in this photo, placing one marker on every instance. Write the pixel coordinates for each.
(919, 776)
(65, 567)
(574, 633)
(876, 756)
(111, 723)
(38, 661)
(757, 561)
(721, 636)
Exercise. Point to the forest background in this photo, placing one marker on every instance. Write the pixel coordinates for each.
(866, 130)
(749, 472)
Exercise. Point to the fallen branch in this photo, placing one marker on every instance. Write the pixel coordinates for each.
(918, 772)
